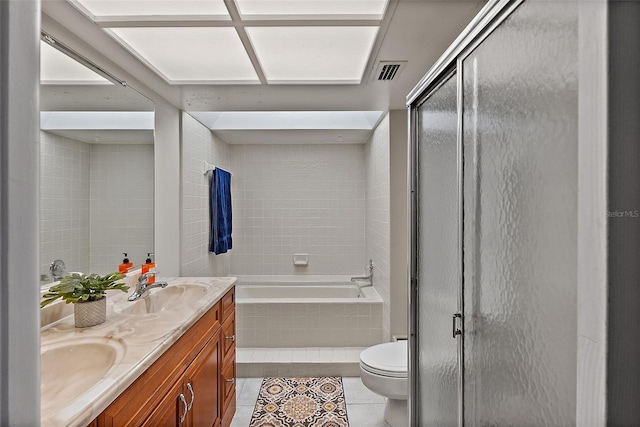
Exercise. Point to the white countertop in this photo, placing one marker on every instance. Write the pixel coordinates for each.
(139, 340)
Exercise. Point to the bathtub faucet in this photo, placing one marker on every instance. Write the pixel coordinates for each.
(368, 278)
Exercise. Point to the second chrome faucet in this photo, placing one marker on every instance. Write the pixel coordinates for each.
(143, 286)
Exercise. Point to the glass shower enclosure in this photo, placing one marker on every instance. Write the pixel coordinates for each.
(494, 135)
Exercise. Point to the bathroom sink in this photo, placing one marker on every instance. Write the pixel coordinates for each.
(170, 298)
(69, 370)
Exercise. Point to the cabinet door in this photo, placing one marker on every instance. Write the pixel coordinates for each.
(228, 379)
(170, 411)
(201, 386)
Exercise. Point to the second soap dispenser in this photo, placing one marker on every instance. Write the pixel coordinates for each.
(149, 264)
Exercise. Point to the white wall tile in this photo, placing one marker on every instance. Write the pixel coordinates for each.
(64, 193)
(199, 144)
(298, 198)
(302, 325)
(90, 211)
(121, 204)
(377, 207)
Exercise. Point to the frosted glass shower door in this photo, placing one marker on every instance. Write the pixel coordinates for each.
(436, 373)
(520, 141)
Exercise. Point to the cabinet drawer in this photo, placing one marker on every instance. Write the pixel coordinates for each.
(229, 335)
(229, 303)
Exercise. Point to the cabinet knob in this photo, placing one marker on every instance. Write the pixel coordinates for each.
(232, 337)
(231, 380)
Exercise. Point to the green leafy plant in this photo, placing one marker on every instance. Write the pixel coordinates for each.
(81, 288)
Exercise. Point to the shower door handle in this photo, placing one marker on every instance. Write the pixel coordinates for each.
(455, 331)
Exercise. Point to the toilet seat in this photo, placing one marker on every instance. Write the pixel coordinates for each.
(388, 359)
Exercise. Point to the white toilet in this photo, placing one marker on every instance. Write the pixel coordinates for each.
(383, 369)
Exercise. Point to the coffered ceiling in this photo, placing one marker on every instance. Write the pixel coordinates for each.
(244, 41)
(265, 55)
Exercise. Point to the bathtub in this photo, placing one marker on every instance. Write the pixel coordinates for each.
(309, 311)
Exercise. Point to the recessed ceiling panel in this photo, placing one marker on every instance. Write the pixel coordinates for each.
(191, 54)
(288, 120)
(104, 8)
(313, 54)
(58, 68)
(312, 9)
(105, 120)
(99, 136)
(286, 136)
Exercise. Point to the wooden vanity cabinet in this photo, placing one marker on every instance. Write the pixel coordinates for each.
(191, 385)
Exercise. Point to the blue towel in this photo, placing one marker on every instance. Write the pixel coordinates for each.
(220, 210)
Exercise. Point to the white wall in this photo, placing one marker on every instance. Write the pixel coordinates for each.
(198, 145)
(64, 203)
(121, 208)
(399, 205)
(298, 199)
(19, 170)
(377, 216)
(592, 339)
(167, 188)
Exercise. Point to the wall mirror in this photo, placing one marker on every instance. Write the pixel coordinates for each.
(96, 166)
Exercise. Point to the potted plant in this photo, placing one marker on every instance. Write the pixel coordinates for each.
(87, 293)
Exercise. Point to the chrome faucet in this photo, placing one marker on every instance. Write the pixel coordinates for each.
(57, 269)
(368, 278)
(143, 286)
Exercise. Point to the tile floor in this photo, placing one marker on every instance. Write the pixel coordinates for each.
(364, 408)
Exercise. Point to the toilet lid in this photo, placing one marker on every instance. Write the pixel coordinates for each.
(389, 359)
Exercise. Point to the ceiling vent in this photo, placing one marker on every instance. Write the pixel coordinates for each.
(388, 70)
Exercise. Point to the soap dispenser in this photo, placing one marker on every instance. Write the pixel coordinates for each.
(126, 264)
(149, 265)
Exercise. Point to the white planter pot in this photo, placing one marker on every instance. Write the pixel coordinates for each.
(90, 313)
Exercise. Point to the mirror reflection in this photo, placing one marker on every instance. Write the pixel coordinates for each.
(96, 168)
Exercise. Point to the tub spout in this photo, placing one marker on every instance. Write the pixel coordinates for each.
(368, 278)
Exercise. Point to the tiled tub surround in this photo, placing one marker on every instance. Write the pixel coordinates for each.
(278, 322)
(137, 340)
(293, 198)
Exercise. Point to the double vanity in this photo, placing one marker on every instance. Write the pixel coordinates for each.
(167, 359)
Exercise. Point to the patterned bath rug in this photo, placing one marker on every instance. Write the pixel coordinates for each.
(300, 402)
